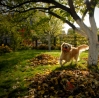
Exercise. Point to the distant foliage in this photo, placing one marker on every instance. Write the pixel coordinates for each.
(25, 47)
(45, 47)
(58, 47)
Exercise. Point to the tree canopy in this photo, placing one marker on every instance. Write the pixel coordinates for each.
(68, 9)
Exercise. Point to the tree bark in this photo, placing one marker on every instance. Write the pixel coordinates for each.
(93, 50)
(93, 53)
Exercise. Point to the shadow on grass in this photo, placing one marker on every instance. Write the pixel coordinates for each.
(19, 92)
(7, 61)
(15, 93)
(67, 67)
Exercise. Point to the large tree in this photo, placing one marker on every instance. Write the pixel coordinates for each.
(68, 13)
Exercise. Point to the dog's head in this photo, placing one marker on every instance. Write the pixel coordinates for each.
(66, 47)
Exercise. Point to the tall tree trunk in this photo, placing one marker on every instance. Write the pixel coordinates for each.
(93, 49)
(93, 40)
(54, 41)
(93, 54)
(49, 41)
(75, 39)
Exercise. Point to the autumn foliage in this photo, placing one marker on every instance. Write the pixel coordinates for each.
(66, 84)
(44, 59)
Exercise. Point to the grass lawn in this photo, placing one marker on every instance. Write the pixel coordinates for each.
(16, 70)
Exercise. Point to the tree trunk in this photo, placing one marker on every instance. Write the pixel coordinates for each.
(93, 50)
(75, 39)
(93, 54)
(54, 41)
(49, 42)
(93, 41)
(36, 43)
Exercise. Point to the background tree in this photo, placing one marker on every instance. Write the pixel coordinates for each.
(9, 35)
(49, 28)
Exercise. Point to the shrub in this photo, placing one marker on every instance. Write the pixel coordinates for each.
(24, 47)
(43, 47)
(4, 49)
(58, 47)
(52, 47)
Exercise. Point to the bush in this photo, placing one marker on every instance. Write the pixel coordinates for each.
(58, 47)
(43, 47)
(24, 47)
(52, 47)
(4, 49)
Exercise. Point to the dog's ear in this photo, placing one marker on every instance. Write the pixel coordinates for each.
(63, 43)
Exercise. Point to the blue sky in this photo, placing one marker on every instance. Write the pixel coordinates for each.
(86, 21)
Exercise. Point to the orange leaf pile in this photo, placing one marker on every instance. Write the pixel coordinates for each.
(66, 84)
(44, 59)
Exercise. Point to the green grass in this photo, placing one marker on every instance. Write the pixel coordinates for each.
(15, 70)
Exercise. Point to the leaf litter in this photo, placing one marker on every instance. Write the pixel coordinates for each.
(66, 84)
(44, 59)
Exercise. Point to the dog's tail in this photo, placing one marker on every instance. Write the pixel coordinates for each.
(82, 48)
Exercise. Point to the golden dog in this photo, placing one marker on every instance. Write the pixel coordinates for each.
(69, 53)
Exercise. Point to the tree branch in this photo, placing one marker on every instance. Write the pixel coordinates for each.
(26, 2)
(84, 14)
(91, 7)
(36, 8)
(15, 6)
(61, 6)
(73, 12)
(69, 23)
(35, 1)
